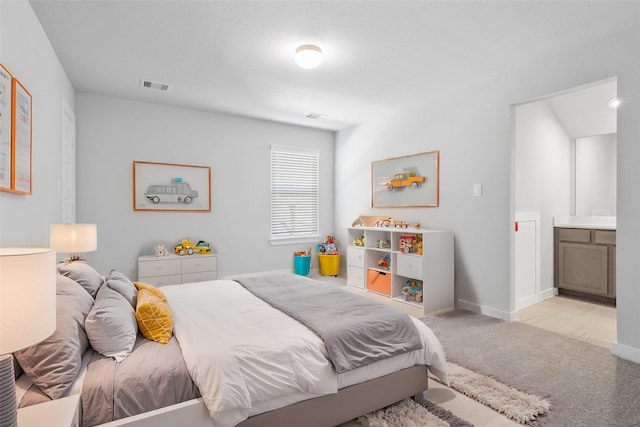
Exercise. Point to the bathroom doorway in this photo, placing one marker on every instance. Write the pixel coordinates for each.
(549, 179)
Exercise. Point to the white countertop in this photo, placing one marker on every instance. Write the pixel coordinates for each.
(598, 222)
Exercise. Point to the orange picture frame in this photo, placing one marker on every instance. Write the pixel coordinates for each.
(171, 187)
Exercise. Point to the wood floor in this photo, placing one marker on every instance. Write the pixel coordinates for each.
(576, 318)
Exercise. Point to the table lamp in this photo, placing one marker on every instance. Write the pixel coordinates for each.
(27, 313)
(73, 239)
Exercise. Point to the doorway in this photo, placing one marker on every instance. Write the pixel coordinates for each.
(544, 177)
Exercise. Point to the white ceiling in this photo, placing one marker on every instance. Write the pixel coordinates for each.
(237, 56)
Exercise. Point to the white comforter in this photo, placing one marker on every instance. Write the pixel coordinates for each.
(247, 357)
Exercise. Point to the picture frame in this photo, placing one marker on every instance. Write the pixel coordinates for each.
(406, 181)
(6, 153)
(171, 187)
(21, 138)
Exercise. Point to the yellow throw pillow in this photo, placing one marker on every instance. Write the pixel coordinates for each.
(154, 317)
(150, 287)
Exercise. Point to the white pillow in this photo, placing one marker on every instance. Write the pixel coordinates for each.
(111, 325)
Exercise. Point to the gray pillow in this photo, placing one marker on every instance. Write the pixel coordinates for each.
(111, 325)
(84, 274)
(121, 284)
(54, 363)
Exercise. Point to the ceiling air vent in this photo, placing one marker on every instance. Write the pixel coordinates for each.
(316, 116)
(154, 85)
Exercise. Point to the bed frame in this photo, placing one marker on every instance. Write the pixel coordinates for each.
(324, 411)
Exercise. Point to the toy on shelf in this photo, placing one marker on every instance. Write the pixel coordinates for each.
(359, 242)
(382, 244)
(385, 262)
(413, 291)
(161, 250)
(185, 247)
(411, 243)
(203, 247)
(388, 222)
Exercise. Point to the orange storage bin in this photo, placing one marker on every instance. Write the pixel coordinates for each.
(379, 281)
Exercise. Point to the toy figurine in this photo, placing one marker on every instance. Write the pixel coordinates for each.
(385, 262)
(161, 250)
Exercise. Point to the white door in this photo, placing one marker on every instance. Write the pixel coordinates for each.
(526, 256)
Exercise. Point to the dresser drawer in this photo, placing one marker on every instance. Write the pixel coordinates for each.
(196, 264)
(409, 266)
(201, 276)
(574, 235)
(172, 279)
(355, 257)
(161, 267)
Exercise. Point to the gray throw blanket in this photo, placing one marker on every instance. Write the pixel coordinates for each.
(355, 330)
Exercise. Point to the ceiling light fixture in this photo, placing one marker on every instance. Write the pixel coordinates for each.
(308, 56)
(613, 102)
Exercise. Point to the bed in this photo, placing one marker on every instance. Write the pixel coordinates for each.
(233, 353)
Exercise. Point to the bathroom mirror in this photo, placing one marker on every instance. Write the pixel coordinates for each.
(595, 175)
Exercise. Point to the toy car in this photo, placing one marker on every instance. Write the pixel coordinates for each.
(185, 247)
(405, 179)
(203, 247)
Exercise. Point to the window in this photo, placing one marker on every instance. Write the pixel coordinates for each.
(295, 174)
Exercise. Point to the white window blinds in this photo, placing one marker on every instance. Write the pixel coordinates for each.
(294, 192)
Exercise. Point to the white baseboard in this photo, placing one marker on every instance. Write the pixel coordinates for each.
(626, 352)
(534, 299)
(489, 311)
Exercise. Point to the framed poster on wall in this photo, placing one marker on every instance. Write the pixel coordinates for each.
(171, 187)
(21, 138)
(6, 154)
(407, 181)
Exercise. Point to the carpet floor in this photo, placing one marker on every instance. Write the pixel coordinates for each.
(586, 384)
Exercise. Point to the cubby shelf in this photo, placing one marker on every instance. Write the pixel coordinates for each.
(433, 265)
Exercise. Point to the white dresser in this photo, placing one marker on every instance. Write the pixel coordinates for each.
(177, 269)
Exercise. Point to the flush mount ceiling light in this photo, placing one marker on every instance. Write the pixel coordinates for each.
(308, 56)
(613, 102)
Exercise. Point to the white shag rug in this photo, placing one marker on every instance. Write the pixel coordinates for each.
(514, 404)
(406, 413)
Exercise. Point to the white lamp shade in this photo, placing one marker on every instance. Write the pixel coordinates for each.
(308, 56)
(73, 238)
(27, 297)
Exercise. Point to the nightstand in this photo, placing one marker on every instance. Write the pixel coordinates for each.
(63, 412)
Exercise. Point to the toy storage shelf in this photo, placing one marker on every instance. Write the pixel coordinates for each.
(433, 265)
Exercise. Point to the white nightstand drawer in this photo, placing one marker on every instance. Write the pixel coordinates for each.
(172, 279)
(201, 276)
(161, 267)
(355, 257)
(409, 266)
(198, 263)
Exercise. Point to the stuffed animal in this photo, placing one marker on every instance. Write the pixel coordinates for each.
(161, 250)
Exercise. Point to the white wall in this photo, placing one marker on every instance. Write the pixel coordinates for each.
(26, 52)
(112, 133)
(544, 175)
(472, 126)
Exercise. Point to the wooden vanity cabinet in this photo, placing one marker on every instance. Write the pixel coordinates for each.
(584, 263)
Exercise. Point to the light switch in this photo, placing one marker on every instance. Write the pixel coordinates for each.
(477, 190)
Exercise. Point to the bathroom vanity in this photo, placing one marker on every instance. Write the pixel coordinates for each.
(585, 257)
